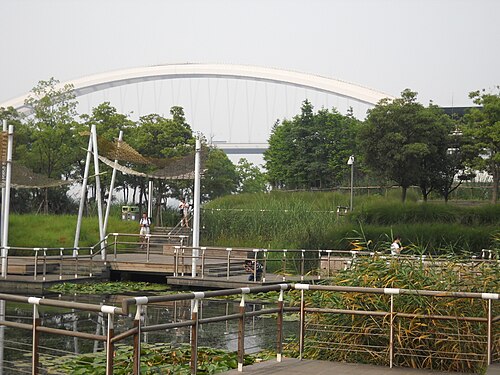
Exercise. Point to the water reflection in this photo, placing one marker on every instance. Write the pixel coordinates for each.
(260, 332)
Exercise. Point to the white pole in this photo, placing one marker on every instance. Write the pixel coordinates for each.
(2, 302)
(196, 208)
(351, 163)
(98, 190)
(4, 129)
(82, 198)
(150, 198)
(5, 223)
(352, 185)
(111, 187)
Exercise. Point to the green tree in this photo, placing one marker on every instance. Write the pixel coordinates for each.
(482, 127)
(159, 137)
(453, 171)
(311, 150)
(52, 150)
(403, 141)
(50, 137)
(220, 177)
(251, 178)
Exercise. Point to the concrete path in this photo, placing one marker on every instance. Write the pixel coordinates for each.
(292, 366)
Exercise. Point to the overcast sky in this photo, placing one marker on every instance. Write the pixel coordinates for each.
(441, 48)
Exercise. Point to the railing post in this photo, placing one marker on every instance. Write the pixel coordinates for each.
(228, 272)
(36, 322)
(109, 345)
(76, 264)
(302, 265)
(5, 261)
(489, 340)
(264, 266)
(319, 264)
(279, 321)
(91, 252)
(328, 252)
(137, 340)
(148, 239)
(391, 333)
(194, 337)
(255, 253)
(176, 260)
(302, 323)
(61, 249)
(44, 264)
(115, 245)
(203, 249)
(182, 261)
(35, 268)
(241, 334)
(283, 261)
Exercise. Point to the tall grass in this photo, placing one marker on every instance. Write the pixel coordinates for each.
(446, 345)
(309, 220)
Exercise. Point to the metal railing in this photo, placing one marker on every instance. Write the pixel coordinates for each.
(81, 261)
(300, 263)
(290, 264)
(488, 351)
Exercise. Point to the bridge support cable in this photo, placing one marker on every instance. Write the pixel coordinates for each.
(82, 198)
(112, 186)
(98, 191)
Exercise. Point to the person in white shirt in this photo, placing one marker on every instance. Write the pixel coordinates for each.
(396, 246)
(184, 210)
(144, 223)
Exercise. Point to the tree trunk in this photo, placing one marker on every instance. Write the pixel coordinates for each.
(403, 193)
(494, 193)
(46, 203)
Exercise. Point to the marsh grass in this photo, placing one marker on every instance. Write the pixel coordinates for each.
(309, 220)
(445, 345)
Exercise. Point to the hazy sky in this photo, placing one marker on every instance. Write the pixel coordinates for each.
(441, 48)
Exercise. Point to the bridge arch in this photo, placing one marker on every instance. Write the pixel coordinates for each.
(97, 82)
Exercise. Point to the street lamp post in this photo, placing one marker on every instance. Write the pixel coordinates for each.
(351, 163)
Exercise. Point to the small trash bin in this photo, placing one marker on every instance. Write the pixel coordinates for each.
(130, 213)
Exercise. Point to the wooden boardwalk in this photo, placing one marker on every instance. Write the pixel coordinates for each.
(21, 272)
(292, 366)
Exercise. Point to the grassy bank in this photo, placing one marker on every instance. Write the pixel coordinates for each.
(59, 230)
(309, 220)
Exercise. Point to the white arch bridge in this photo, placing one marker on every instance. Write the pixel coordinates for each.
(104, 81)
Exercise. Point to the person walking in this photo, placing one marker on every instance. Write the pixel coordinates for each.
(144, 224)
(396, 246)
(184, 210)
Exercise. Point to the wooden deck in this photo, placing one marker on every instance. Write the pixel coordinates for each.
(292, 366)
(21, 272)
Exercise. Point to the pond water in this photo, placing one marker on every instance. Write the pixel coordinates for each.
(260, 332)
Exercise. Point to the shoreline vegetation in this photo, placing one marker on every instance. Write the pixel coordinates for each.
(301, 220)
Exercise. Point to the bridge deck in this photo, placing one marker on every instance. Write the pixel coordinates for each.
(292, 366)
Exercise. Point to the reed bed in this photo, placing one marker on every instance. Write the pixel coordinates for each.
(444, 345)
(309, 220)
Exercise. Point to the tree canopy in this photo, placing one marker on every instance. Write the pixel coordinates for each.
(311, 150)
(403, 141)
(482, 128)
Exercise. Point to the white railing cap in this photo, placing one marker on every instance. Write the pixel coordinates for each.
(301, 286)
